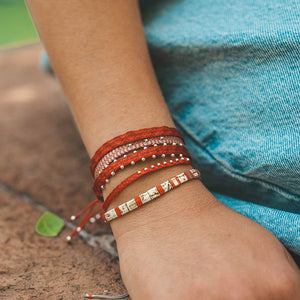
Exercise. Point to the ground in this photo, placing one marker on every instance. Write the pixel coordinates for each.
(44, 166)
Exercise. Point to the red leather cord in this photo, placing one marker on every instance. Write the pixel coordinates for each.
(157, 151)
(131, 136)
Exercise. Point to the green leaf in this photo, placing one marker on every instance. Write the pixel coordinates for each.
(49, 224)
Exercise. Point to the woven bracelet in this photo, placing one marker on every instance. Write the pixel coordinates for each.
(150, 195)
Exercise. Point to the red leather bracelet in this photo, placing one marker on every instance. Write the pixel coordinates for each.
(143, 154)
(135, 176)
(131, 136)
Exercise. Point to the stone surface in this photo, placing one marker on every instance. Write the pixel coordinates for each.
(44, 166)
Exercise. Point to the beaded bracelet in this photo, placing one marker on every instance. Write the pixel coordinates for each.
(115, 154)
(149, 195)
(132, 159)
(129, 137)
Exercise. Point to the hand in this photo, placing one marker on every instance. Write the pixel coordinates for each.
(202, 251)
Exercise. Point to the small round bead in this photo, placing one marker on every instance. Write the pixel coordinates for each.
(182, 158)
(139, 172)
(145, 140)
(177, 159)
(134, 151)
(161, 137)
(155, 145)
(163, 155)
(124, 155)
(133, 162)
(92, 220)
(171, 161)
(188, 159)
(107, 180)
(129, 145)
(143, 159)
(68, 238)
(165, 162)
(174, 144)
(180, 144)
(78, 229)
(172, 155)
(180, 155)
(158, 164)
(145, 148)
(97, 216)
(102, 187)
(145, 169)
(165, 144)
(112, 173)
(152, 167)
(72, 218)
(153, 156)
(122, 167)
(114, 161)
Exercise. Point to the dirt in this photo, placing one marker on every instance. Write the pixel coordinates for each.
(44, 166)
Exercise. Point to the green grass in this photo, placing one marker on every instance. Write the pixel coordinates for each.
(16, 27)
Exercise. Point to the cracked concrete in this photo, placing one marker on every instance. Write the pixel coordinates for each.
(44, 166)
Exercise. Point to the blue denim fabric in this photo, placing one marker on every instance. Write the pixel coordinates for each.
(230, 73)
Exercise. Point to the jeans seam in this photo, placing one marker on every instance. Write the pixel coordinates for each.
(232, 171)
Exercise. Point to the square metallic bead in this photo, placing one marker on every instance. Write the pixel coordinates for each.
(123, 208)
(131, 204)
(145, 197)
(166, 186)
(195, 172)
(182, 177)
(175, 181)
(110, 215)
(153, 193)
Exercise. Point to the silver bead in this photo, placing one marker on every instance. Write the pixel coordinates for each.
(180, 144)
(146, 169)
(143, 159)
(107, 180)
(133, 162)
(139, 172)
(163, 155)
(68, 238)
(122, 167)
(177, 159)
(158, 164)
(134, 151)
(174, 144)
(145, 148)
(72, 218)
(78, 229)
(171, 161)
(102, 187)
(129, 145)
(114, 161)
(172, 155)
(152, 167)
(153, 156)
(165, 144)
(180, 155)
(182, 158)
(155, 145)
(188, 159)
(124, 155)
(164, 162)
(146, 140)
(161, 137)
(112, 173)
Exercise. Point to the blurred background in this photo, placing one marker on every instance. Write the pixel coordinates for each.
(16, 27)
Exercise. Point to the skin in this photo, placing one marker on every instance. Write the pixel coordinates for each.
(185, 245)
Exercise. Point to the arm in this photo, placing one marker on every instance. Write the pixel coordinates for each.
(99, 54)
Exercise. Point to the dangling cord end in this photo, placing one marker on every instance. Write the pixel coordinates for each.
(90, 296)
(89, 216)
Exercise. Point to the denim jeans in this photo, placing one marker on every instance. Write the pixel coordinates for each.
(230, 72)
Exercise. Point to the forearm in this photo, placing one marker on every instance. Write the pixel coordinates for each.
(99, 54)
